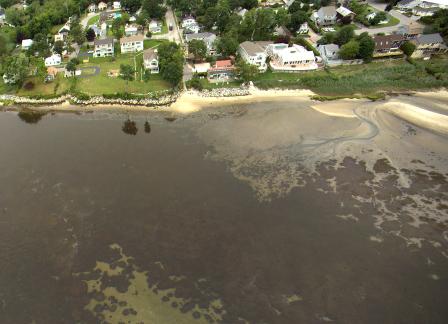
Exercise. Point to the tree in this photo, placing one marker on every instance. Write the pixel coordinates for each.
(3, 48)
(366, 46)
(258, 24)
(245, 71)
(282, 17)
(408, 48)
(76, 32)
(127, 72)
(171, 62)
(131, 5)
(344, 35)
(71, 67)
(154, 8)
(58, 47)
(227, 44)
(198, 48)
(17, 69)
(90, 34)
(379, 17)
(297, 19)
(327, 38)
(349, 50)
(117, 29)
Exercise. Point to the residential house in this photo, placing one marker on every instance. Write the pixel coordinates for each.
(410, 5)
(151, 60)
(132, 19)
(131, 44)
(116, 5)
(9, 80)
(388, 45)
(282, 31)
(344, 14)
(64, 31)
(52, 72)
(325, 16)
(58, 38)
(103, 47)
(102, 6)
(254, 53)
(424, 12)
(222, 70)
(329, 53)
(411, 30)
(26, 44)
(429, 44)
(290, 59)
(242, 12)
(92, 8)
(130, 30)
(53, 60)
(303, 29)
(97, 30)
(407, 5)
(201, 68)
(207, 38)
(155, 26)
(190, 25)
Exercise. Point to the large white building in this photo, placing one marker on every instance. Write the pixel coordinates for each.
(254, 53)
(53, 60)
(290, 59)
(422, 7)
(26, 44)
(132, 44)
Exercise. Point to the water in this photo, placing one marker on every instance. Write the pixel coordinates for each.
(220, 216)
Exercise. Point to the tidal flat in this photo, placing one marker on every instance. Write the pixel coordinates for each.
(281, 210)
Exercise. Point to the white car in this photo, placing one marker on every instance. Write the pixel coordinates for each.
(328, 29)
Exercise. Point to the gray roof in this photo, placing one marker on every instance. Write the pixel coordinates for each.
(429, 39)
(200, 36)
(104, 41)
(327, 11)
(149, 54)
(252, 48)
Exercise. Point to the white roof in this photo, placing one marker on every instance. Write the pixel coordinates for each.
(201, 68)
(439, 2)
(293, 53)
(27, 42)
(343, 11)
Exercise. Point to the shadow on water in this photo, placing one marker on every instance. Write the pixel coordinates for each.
(147, 127)
(31, 116)
(130, 127)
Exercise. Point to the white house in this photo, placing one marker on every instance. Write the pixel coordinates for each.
(155, 26)
(116, 5)
(132, 44)
(10, 80)
(329, 53)
(92, 8)
(103, 47)
(201, 67)
(151, 60)
(102, 6)
(325, 16)
(290, 59)
(53, 60)
(26, 44)
(254, 53)
(130, 29)
(410, 5)
(188, 22)
(190, 25)
(207, 38)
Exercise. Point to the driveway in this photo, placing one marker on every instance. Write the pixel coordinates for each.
(172, 35)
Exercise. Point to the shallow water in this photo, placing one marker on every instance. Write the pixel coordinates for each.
(266, 213)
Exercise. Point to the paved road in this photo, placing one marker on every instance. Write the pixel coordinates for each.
(85, 19)
(377, 4)
(172, 35)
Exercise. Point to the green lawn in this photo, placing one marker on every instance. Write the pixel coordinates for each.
(369, 80)
(149, 43)
(164, 28)
(102, 84)
(392, 22)
(93, 20)
(58, 86)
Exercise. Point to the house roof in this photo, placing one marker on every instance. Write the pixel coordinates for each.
(327, 11)
(387, 41)
(294, 53)
(133, 38)
(104, 41)
(429, 39)
(253, 48)
(405, 2)
(344, 11)
(223, 63)
(201, 36)
(328, 48)
(149, 54)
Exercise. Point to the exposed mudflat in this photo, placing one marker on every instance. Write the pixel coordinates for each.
(280, 211)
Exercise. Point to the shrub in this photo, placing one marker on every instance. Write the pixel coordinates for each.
(408, 48)
(29, 85)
